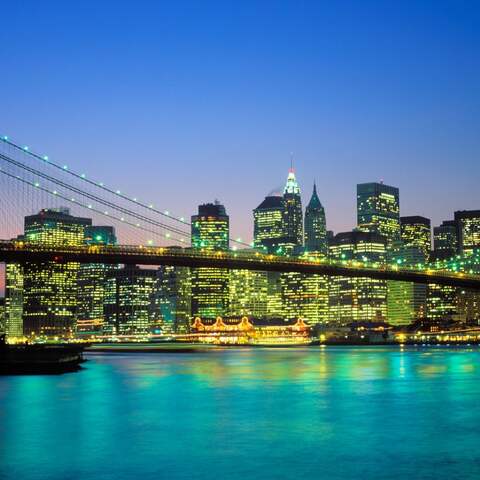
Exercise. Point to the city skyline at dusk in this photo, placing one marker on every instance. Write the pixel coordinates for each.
(158, 102)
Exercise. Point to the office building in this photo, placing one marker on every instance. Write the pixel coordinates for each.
(210, 291)
(415, 231)
(128, 301)
(378, 210)
(358, 299)
(50, 289)
(92, 283)
(468, 230)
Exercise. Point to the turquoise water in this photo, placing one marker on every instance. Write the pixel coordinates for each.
(334, 413)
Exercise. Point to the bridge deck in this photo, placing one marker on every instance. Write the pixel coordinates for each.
(13, 251)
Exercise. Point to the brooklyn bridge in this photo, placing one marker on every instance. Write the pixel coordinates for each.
(30, 181)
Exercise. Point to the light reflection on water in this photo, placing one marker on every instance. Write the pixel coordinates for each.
(329, 413)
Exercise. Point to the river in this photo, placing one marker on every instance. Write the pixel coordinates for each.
(299, 413)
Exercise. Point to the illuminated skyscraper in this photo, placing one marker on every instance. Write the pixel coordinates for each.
(468, 230)
(91, 283)
(358, 299)
(172, 299)
(378, 210)
(406, 300)
(50, 289)
(128, 301)
(2, 316)
(445, 241)
(268, 226)
(210, 231)
(14, 300)
(248, 292)
(315, 226)
(416, 232)
(293, 214)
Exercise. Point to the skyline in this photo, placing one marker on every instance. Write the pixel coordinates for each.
(358, 94)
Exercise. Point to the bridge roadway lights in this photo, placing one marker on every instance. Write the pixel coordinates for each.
(20, 253)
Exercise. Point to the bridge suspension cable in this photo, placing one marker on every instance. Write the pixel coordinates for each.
(100, 185)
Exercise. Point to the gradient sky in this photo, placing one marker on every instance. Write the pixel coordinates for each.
(180, 103)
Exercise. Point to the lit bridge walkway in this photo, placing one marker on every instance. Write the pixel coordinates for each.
(20, 252)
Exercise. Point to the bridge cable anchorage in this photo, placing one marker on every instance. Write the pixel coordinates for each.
(100, 185)
(89, 208)
(92, 196)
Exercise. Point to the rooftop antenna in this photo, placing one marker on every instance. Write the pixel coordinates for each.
(291, 162)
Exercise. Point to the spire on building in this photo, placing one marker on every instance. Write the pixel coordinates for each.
(314, 200)
(292, 185)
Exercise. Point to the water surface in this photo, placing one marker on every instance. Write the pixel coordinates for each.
(333, 413)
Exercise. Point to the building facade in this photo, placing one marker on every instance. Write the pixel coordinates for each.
(210, 290)
(378, 210)
(92, 283)
(415, 231)
(468, 230)
(358, 299)
(50, 289)
(128, 301)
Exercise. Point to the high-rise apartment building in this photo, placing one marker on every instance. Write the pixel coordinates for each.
(378, 210)
(210, 292)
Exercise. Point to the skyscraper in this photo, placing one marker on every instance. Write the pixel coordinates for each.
(248, 291)
(293, 213)
(92, 283)
(315, 225)
(358, 299)
(468, 230)
(210, 231)
(128, 301)
(406, 301)
(378, 210)
(268, 226)
(315, 287)
(416, 232)
(50, 289)
(14, 274)
(445, 241)
(172, 298)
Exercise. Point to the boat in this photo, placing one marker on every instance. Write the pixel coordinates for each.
(46, 358)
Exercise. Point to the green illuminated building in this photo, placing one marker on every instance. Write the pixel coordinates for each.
(210, 291)
(468, 230)
(378, 210)
(50, 289)
(91, 283)
(416, 232)
(128, 301)
(358, 299)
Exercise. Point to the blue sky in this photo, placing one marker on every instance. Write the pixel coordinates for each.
(181, 103)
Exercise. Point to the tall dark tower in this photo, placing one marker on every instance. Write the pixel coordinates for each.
(293, 215)
(315, 225)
